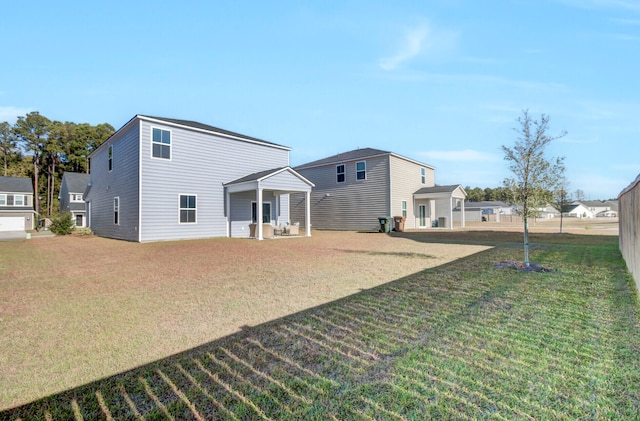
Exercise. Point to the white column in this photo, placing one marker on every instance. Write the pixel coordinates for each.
(463, 218)
(451, 211)
(307, 214)
(259, 214)
(228, 210)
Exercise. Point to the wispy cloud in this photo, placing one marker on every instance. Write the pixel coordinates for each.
(465, 155)
(10, 114)
(420, 40)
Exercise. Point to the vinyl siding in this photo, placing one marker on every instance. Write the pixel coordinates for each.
(121, 182)
(352, 205)
(406, 179)
(200, 164)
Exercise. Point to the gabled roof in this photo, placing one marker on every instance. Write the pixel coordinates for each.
(76, 182)
(208, 128)
(354, 155)
(256, 176)
(439, 189)
(16, 185)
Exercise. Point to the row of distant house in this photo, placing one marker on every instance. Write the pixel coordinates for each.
(164, 179)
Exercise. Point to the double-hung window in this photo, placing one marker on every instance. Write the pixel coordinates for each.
(423, 175)
(3, 200)
(18, 200)
(340, 174)
(404, 208)
(161, 143)
(361, 170)
(116, 210)
(187, 209)
(110, 153)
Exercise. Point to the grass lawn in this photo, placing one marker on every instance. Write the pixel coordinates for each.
(461, 340)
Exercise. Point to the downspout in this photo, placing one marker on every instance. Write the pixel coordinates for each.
(139, 181)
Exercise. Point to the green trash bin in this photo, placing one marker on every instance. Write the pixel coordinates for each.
(385, 223)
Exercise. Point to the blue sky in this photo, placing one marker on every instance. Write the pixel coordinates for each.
(441, 82)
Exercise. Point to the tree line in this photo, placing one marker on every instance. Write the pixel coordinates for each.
(43, 150)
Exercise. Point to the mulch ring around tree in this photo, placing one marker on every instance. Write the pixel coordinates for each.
(512, 264)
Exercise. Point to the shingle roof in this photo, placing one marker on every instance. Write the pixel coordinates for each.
(438, 189)
(76, 182)
(16, 184)
(345, 156)
(255, 176)
(209, 128)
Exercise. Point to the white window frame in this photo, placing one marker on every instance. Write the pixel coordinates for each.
(423, 175)
(74, 197)
(15, 200)
(194, 209)
(343, 173)
(170, 144)
(3, 199)
(361, 171)
(116, 210)
(264, 214)
(110, 158)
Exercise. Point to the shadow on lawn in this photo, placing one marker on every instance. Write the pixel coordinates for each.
(280, 369)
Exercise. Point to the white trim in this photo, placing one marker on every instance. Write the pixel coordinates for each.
(337, 161)
(180, 208)
(343, 173)
(170, 144)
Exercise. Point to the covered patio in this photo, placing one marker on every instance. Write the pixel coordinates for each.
(441, 200)
(249, 200)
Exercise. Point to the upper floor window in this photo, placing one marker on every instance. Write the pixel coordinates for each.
(110, 153)
(187, 209)
(75, 197)
(361, 170)
(161, 144)
(13, 200)
(423, 175)
(340, 175)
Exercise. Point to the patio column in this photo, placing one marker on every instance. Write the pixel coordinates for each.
(307, 214)
(451, 211)
(463, 218)
(228, 212)
(259, 214)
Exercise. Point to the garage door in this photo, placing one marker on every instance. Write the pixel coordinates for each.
(12, 223)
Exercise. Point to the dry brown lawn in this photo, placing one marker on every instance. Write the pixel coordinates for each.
(74, 310)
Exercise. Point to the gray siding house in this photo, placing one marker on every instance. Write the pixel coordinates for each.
(16, 204)
(161, 179)
(353, 189)
(72, 196)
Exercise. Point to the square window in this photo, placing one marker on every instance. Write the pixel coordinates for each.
(18, 200)
(361, 170)
(161, 144)
(340, 174)
(187, 209)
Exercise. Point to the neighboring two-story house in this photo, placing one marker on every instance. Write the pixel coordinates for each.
(16, 204)
(354, 189)
(166, 179)
(72, 197)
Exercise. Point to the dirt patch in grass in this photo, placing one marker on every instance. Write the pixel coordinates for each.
(74, 310)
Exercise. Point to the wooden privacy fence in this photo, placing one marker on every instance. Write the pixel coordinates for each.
(629, 212)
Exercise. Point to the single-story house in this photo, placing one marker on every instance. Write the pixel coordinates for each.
(161, 179)
(16, 204)
(72, 196)
(353, 189)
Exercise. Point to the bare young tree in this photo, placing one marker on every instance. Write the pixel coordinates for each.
(535, 177)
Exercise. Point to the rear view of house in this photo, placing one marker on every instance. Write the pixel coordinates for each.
(16, 204)
(72, 196)
(354, 189)
(161, 179)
